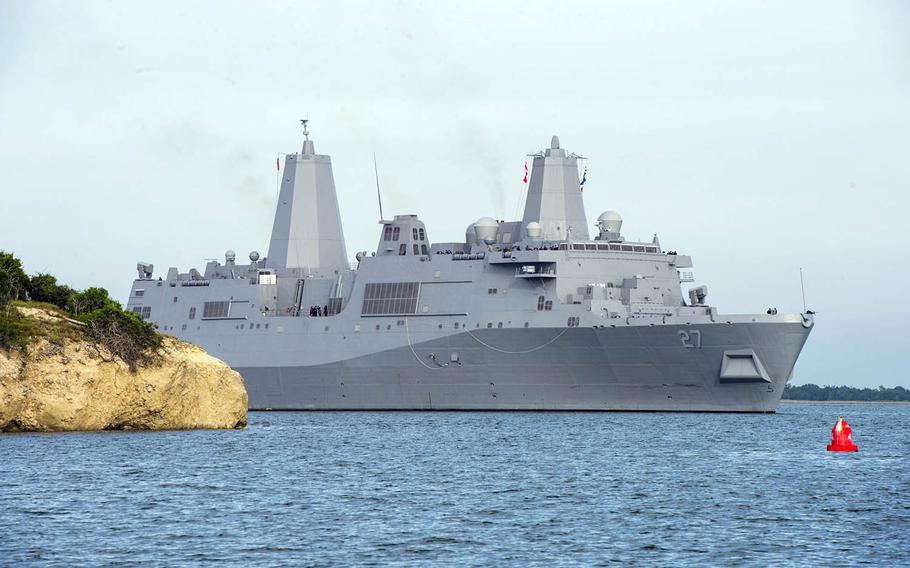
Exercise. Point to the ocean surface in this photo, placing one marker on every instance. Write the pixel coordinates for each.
(520, 489)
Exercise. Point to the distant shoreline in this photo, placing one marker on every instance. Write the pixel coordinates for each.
(836, 402)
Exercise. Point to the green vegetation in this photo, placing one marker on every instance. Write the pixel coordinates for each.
(89, 314)
(817, 393)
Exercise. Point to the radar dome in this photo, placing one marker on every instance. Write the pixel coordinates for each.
(230, 256)
(470, 235)
(533, 230)
(486, 228)
(254, 256)
(610, 221)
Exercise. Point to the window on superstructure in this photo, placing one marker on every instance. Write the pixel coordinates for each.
(139, 293)
(423, 235)
(638, 249)
(578, 247)
(193, 313)
(590, 247)
(146, 312)
(387, 233)
(540, 300)
(402, 249)
(416, 249)
(548, 305)
(414, 233)
(573, 321)
(396, 232)
(423, 250)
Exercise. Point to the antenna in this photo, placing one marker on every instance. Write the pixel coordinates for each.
(306, 133)
(378, 194)
(802, 287)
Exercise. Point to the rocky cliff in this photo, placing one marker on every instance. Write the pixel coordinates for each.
(72, 383)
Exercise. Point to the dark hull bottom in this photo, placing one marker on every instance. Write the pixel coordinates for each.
(584, 369)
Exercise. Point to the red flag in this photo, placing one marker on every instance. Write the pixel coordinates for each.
(525, 180)
(277, 165)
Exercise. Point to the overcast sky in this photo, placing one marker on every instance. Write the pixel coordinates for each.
(758, 138)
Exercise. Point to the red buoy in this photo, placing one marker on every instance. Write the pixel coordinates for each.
(842, 437)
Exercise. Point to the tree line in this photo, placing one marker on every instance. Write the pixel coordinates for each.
(124, 333)
(817, 393)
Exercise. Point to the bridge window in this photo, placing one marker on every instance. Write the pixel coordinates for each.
(414, 232)
(387, 233)
(639, 249)
(578, 247)
(590, 247)
(423, 235)
(396, 232)
(390, 298)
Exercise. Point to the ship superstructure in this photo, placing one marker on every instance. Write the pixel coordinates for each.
(532, 314)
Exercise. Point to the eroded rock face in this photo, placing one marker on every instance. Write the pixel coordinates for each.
(78, 385)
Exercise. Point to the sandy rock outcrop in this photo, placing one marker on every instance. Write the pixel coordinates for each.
(78, 385)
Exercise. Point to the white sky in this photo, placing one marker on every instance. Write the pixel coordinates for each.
(756, 137)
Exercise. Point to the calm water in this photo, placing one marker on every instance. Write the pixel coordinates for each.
(467, 489)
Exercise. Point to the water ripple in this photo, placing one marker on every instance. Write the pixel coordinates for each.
(523, 489)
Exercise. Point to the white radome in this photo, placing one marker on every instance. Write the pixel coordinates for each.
(610, 221)
(486, 228)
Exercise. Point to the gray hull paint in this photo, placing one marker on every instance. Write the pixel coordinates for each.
(641, 368)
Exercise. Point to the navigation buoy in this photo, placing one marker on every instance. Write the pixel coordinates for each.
(842, 437)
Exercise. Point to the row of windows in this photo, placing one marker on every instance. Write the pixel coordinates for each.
(390, 298)
(544, 305)
(403, 249)
(573, 321)
(623, 248)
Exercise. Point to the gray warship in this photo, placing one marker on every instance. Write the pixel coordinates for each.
(536, 314)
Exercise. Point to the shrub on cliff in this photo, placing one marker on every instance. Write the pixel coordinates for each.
(125, 334)
(44, 288)
(90, 300)
(13, 281)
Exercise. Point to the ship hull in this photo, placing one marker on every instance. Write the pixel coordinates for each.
(623, 368)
